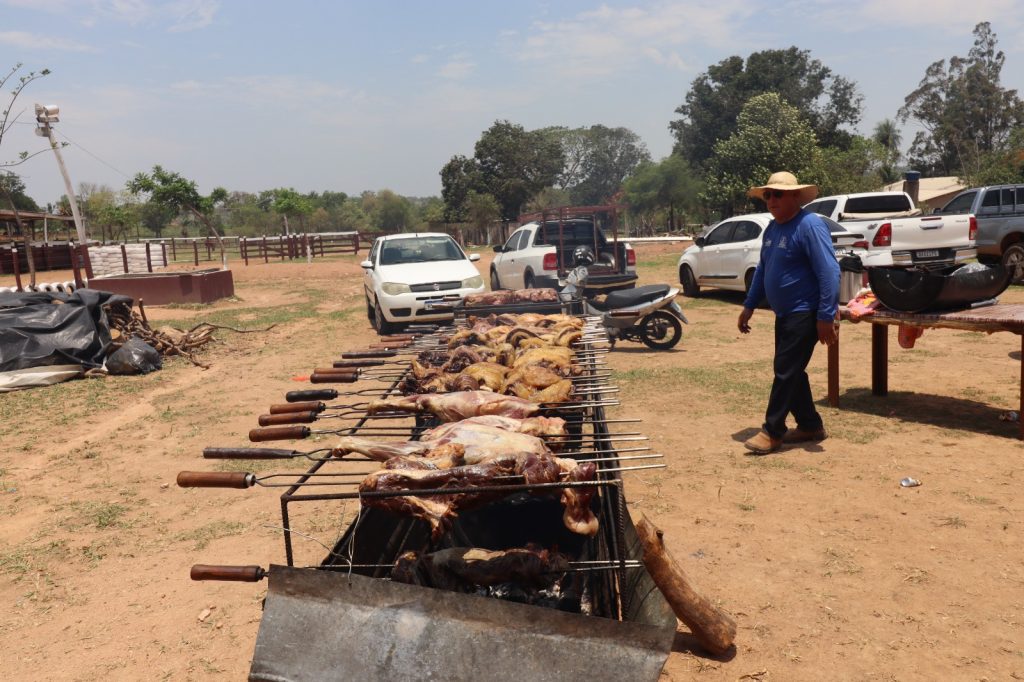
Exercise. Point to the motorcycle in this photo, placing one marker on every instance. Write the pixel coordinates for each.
(647, 314)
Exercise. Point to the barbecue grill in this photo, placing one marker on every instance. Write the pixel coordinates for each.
(603, 618)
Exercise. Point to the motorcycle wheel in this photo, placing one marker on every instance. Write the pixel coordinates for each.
(660, 330)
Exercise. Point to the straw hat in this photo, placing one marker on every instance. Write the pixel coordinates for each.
(785, 181)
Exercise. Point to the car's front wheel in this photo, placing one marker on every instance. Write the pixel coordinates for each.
(382, 325)
(369, 309)
(495, 282)
(689, 282)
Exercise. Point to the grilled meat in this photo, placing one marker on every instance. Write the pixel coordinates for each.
(463, 569)
(451, 407)
(476, 439)
(439, 510)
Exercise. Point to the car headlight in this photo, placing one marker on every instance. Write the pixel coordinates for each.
(473, 282)
(394, 288)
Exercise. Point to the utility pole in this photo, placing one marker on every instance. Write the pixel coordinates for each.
(45, 115)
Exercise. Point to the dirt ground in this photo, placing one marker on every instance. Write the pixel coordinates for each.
(830, 568)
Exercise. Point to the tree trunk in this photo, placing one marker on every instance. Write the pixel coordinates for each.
(220, 242)
(25, 238)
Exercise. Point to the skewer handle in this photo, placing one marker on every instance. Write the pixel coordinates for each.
(362, 362)
(369, 354)
(387, 346)
(288, 418)
(397, 338)
(216, 479)
(249, 453)
(333, 378)
(314, 394)
(240, 574)
(279, 433)
(308, 406)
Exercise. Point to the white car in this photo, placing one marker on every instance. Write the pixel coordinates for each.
(416, 277)
(727, 255)
(537, 255)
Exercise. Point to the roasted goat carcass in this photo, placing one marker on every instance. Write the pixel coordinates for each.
(506, 297)
(440, 509)
(480, 438)
(463, 569)
(451, 407)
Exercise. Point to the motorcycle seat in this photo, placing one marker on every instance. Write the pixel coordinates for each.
(625, 298)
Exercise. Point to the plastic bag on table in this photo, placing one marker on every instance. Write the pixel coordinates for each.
(134, 357)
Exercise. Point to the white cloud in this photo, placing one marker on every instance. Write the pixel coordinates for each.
(457, 68)
(611, 40)
(190, 15)
(419, 58)
(31, 41)
(177, 16)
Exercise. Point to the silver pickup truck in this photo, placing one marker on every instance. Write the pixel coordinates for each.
(1000, 214)
(896, 234)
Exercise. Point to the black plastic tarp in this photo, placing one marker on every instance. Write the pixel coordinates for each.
(42, 328)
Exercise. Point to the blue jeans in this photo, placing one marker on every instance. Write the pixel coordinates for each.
(796, 335)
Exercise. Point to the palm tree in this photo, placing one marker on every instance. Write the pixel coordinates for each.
(888, 135)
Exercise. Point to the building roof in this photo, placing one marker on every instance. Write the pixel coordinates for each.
(8, 214)
(930, 188)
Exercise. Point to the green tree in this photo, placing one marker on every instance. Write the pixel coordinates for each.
(388, 211)
(13, 188)
(770, 135)
(1001, 167)
(858, 168)
(515, 164)
(597, 160)
(666, 191)
(713, 104)
(288, 203)
(964, 110)
(458, 178)
(481, 210)
(887, 134)
(181, 195)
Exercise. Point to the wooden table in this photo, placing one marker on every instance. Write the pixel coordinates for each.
(988, 319)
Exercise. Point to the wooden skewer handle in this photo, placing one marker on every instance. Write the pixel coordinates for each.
(314, 394)
(308, 406)
(333, 378)
(279, 433)
(216, 479)
(288, 418)
(242, 574)
(362, 362)
(249, 453)
(369, 354)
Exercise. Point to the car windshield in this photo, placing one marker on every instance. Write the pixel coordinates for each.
(419, 250)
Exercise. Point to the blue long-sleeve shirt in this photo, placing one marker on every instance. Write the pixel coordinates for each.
(798, 270)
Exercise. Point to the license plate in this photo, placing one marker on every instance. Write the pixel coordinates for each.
(928, 253)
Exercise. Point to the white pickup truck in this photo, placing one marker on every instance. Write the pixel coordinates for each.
(896, 234)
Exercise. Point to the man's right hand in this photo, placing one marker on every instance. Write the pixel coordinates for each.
(743, 323)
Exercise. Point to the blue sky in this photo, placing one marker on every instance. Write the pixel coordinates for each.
(365, 96)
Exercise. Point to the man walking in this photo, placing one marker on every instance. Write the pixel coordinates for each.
(799, 275)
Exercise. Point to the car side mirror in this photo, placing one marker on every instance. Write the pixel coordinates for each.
(498, 248)
(699, 241)
(474, 257)
(366, 264)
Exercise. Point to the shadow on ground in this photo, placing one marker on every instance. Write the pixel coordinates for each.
(935, 410)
